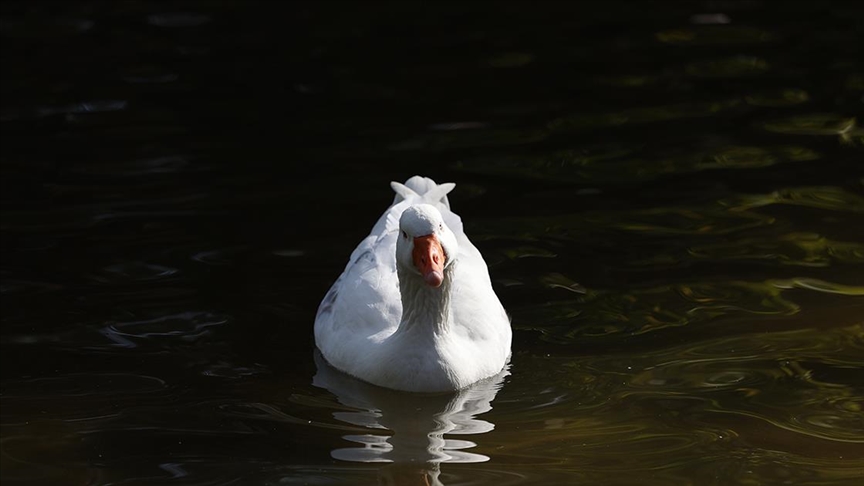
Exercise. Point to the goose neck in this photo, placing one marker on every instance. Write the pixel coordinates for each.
(426, 308)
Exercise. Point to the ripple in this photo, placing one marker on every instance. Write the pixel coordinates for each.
(406, 474)
(834, 421)
(620, 164)
(601, 313)
(716, 35)
(630, 81)
(753, 376)
(219, 256)
(185, 327)
(95, 106)
(802, 249)
(528, 252)
(70, 110)
(83, 384)
(138, 271)
(714, 376)
(134, 168)
(729, 378)
(832, 198)
(704, 397)
(657, 222)
(684, 221)
(814, 124)
(776, 99)
(272, 413)
(560, 281)
(752, 157)
(732, 67)
(819, 286)
(223, 369)
(559, 165)
(652, 114)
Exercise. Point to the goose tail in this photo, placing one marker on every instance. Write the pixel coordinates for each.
(423, 188)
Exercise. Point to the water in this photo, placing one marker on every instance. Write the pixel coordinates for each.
(669, 198)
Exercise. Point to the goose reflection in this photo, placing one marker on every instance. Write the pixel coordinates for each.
(408, 428)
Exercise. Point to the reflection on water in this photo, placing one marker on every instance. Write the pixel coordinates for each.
(669, 196)
(408, 428)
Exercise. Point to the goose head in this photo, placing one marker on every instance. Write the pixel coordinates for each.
(425, 246)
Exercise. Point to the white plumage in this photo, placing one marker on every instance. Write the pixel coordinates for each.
(391, 320)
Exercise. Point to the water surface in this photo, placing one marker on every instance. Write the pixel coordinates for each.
(670, 199)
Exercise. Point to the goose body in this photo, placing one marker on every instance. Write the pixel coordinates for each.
(414, 309)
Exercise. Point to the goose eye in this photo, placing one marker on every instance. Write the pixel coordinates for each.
(405, 235)
(441, 227)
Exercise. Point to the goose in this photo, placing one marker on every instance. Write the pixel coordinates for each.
(414, 309)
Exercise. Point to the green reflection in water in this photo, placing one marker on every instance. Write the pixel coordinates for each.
(684, 221)
(786, 97)
(629, 81)
(829, 197)
(528, 252)
(730, 67)
(606, 312)
(559, 281)
(785, 404)
(621, 163)
(818, 124)
(715, 35)
(642, 115)
(673, 237)
(744, 365)
(658, 221)
(804, 249)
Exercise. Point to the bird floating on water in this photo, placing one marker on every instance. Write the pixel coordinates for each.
(414, 309)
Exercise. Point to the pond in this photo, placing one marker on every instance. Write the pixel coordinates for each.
(669, 197)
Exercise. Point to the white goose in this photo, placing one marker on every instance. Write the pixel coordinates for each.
(414, 309)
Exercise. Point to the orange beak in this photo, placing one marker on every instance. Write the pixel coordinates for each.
(429, 259)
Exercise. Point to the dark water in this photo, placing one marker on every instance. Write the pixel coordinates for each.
(669, 196)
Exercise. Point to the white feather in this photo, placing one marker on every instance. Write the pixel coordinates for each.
(452, 337)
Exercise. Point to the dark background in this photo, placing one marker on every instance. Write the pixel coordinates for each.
(181, 183)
